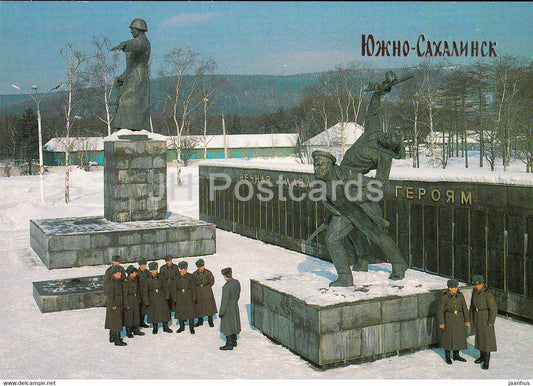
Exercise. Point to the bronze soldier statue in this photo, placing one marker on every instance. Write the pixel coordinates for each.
(206, 305)
(452, 317)
(230, 321)
(133, 86)
(484, 310)
(114, 306)
(359, 217)
(185, 298)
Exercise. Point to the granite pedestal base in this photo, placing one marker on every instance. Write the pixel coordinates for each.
(69, 294)
(340, 326)
(135, 179)
(81, 241)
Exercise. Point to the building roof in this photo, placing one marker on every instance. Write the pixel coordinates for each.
(59, 144)
(333, 135)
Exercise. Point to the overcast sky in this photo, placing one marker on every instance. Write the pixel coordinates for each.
(278, 38)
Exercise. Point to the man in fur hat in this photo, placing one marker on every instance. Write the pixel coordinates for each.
(230, 321)
(452, 317)
(484, 310)
(206, 305)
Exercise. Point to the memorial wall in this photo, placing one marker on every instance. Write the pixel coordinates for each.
(452, 229)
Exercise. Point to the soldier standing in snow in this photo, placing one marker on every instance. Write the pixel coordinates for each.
(484, 310)
(452, 317)
(230, 321)
(142, 276)
(169, 272)
(114, 306)
(185, 298)
(206, 305)
(132, 300)
(154, 298)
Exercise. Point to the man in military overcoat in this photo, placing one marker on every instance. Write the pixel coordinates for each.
(132, 300)
(114, 306)
(206, 305)
(143, 274)
(169, 272)
(115, 261)
(185, 298)
(452, 317)
(230, 321)
(154, 298)
(484, 309)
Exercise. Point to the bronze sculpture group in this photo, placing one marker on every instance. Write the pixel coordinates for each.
(361, 220)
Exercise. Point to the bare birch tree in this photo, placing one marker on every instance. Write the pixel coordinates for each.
(74, 80)
(505, 84)
(102, 69)
(186, 69)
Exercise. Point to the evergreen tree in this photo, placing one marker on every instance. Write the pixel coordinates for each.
(26, 137)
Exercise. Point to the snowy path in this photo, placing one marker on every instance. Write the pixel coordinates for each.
(73, 344)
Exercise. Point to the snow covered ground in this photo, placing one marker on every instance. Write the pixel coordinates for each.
(74, 345)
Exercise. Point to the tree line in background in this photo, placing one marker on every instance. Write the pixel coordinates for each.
(440, 109)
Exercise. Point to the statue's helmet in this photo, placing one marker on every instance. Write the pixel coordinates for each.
(140, 24)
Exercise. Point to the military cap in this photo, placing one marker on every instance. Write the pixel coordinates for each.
(477, 279)
(168, 258)
(152, 266)
(141, 262)
(130, 269)
(115, 269)
(115, 258)
(226, 272)
(452, 283)
(200, 263)
(183, 265)
(319, 153)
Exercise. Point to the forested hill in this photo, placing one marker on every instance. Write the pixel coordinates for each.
(238, 94)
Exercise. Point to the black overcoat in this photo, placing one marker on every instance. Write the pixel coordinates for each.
(114, 299)
(206, 304)
(453, 313)
(185, 297)
(142, 277)
(484, 310)
(132, 300)
(154, 298)
(169, 274)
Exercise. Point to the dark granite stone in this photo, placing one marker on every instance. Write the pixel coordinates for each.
(69, 294)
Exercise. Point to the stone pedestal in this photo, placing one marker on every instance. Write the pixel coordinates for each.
(135, 180)
(69, 294)
(80, 241)
(337, 326)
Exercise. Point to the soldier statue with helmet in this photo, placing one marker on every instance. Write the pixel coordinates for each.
(133, 85)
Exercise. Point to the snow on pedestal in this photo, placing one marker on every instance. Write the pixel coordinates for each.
(329, 326)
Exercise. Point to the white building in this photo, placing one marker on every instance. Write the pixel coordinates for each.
(335, 140)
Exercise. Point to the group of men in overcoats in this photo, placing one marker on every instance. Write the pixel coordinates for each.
(136, 293)
(453, 316)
